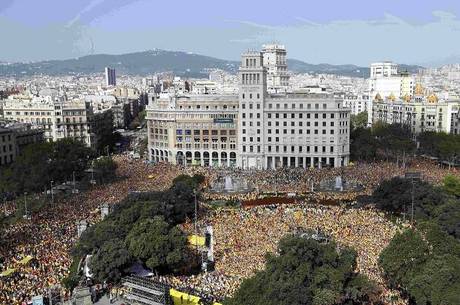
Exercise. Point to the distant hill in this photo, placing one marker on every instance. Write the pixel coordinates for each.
(149, 62)
(139, 63)
(299, 66)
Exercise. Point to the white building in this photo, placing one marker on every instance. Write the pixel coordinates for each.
(386, 82)
(383, 69)
(70, 119)
(290, 129)
(193, 129)
(421, 113)
(110, 77)
(356, 102)
(274, 59)
(253, 129)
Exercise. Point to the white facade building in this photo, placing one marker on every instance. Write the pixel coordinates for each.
(383, 69)
(253, 129)
(193, 129)
(274, 60)
(421, 113)
(357, 103)
(70, 119)
(386, 82)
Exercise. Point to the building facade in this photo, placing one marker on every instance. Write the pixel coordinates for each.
(193, 129)
(386, 82)
(274, 59)
(70, 119)
(14, 138)
(421, 113)
(7, 146)
(357, 103)
(254, 129)
(110, 77)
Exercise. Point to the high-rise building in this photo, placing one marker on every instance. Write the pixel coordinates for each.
(110, 77)
(386, 82)
(383, 69)
(274, 60)
(290, 129)
(254, 129)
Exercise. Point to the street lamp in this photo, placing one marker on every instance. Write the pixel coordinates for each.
(412, 204)
(52, 193)
(26, 214)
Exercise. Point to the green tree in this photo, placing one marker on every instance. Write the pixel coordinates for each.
(109, 262)
(359, 120)
(41, 163)
(306, 272)
(105, 135)
(157, 244)
(451, 185)
(406, 252)
(425, 264)
(363, 144)
(449, 148)
(105, 168)
(395, 196)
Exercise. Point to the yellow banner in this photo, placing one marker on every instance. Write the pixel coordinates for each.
(196, 240)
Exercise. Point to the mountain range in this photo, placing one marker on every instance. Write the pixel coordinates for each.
(153, 61)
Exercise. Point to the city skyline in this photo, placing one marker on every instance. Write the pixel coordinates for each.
(356, 32)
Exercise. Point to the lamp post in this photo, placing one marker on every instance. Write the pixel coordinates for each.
(26, 214)
(52, 193)
(73, 179)
(412, 203)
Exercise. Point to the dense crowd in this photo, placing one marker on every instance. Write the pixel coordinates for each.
(49, 235)
(242, 236)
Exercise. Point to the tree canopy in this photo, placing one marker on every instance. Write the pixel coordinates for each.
(382, 141)
(425, 264)
(142, 228)
(158, 244)
(395, 196)
(41, 163)
(306, 272)
(440, 145)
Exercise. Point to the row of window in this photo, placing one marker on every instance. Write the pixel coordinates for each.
(300, 131)
(44, 113)
(197, 139)
(4, 137)
(292, 149)
(215, 146)
(6, 159)
(205, 132)
(7, 148)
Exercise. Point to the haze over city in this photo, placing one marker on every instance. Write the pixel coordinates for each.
(337, 32)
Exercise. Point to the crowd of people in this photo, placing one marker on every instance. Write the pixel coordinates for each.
(51, 232)
(242, 236)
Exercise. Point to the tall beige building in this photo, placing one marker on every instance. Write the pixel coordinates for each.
(69, 119)
(193, 129)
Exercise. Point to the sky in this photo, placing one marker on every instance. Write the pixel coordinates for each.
(315, 31)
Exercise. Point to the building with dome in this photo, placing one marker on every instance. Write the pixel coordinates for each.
(422, 112)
